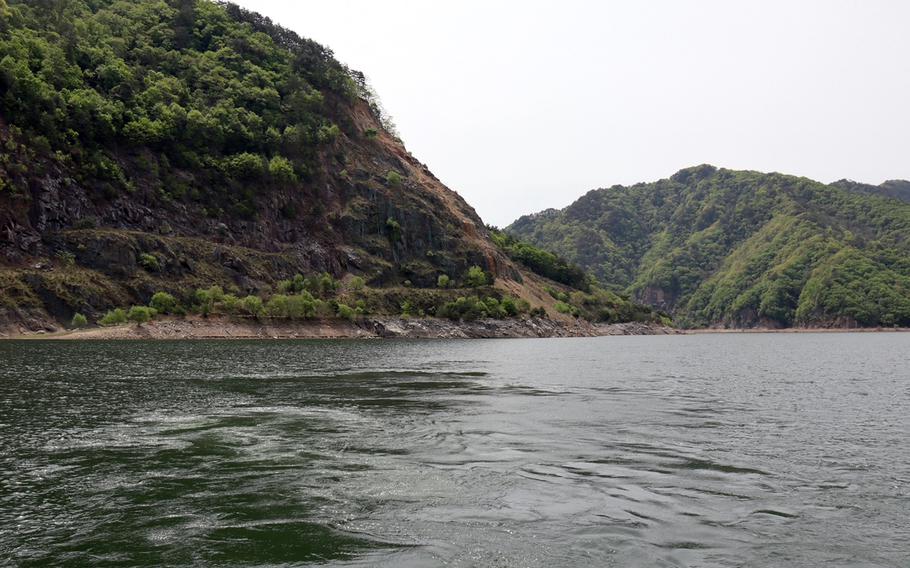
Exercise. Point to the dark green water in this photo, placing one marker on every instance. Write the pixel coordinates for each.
(712, 450)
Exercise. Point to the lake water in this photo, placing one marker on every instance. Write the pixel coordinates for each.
(706, 450)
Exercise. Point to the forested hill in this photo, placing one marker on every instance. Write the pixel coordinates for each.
(742, 248)
(895, 189)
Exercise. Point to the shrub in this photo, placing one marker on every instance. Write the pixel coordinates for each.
(299, 306)
(79, 320)
(324, 309)
(277, 306)
(556, 294)
(394, 178)
(494, 308)
(509, 306)
(149, 262)
(475, 278)
(538, 312)
(469, 308)
(140, 314)
(244, 166)
(357, 283)
(326, 284)
(163, 303)
(113, 317)
(371, 133)
(565, 308)
(206, 298)
(442, 281)
(394, 230)
(229, 304)
(328, 133)
(281, 169)
(345, 312)
(407, 309)
(252, 305)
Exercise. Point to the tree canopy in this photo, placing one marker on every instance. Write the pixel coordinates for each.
(206, 87)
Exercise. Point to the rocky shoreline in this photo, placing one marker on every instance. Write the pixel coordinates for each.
(384, 328)
(369, 328)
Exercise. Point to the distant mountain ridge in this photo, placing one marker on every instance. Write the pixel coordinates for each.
(895, 189)
(718, 247)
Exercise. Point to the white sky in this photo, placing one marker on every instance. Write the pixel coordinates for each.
(524, 105)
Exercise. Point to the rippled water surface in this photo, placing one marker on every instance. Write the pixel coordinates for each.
(709, 450)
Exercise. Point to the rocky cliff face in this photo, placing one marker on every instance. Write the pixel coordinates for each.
(92, 217)
(80, 251)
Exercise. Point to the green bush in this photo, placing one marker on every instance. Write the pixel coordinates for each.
(252, 305)
(281, 169)
(326, 284)
(78, 321)
(140, 314)
(564, 308)
(114, 317)
(464, 308)
(394, 178)
(475, 277)
(163, 303)
(149, 262)
(244, 166)
(509, 306)
(206, 298)
(356, 284)
(442, 281)
(229, 304)
(299, 306)
(345, 312)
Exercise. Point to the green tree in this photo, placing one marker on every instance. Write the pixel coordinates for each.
(163, 303)
(140, 314)
(116, 316)
(252, 305)
(281, 169)
(475, 277)
(345, 312)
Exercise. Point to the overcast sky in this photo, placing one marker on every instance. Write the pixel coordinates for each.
(524, 105)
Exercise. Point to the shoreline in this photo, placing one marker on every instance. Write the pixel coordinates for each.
(796, 330)
(196, 328)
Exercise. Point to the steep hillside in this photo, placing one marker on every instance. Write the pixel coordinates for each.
(197, 149)
(739, 248)
(153, 145)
